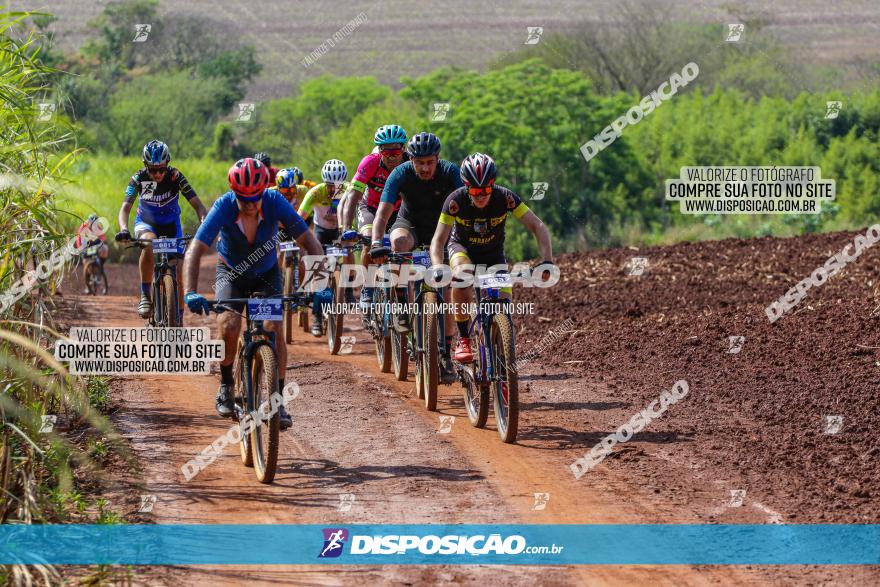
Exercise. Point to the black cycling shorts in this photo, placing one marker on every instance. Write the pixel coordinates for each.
(326, 236)
(228, 286)
(421, 234)
(488, 258)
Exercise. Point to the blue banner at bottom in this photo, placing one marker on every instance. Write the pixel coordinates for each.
(424, 544)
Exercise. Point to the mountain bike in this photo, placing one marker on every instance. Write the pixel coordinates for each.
(292, 280)
(377, 322)
(93, 271)
(333, 318)
(257, 397)
(425, 341)
(494, 366)
(167, 253)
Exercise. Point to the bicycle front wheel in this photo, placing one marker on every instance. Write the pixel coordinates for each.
(169, 301)
(264, 437)
(504, 383)
(334, 319)
(429, 367)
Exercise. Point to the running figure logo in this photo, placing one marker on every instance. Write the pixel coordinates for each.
(141, 32)
(46, 111)
(734, 32)
(334, 540)
(539, 189)
(535, 33)
(832, 109)
(441, 109)
(245, 111)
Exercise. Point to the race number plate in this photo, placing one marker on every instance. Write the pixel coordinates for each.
(288, 246)
(496, 281)
(422, 258)
(265, 309)
(165, 245)
(336, 252)
(93, 250)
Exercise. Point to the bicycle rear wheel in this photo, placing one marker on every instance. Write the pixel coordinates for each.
(88, 274)
(264, 438)
(476, 393)
(505, 383)
(102, 286)
(241, 399)
(289, 311)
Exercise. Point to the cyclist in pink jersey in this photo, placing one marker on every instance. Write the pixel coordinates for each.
(370, 178)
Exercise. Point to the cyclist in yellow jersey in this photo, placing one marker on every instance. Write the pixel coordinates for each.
(324, 200)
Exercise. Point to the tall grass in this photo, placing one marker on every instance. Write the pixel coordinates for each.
(98, 184)
(35, 467)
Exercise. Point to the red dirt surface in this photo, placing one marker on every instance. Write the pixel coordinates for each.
(753, 421)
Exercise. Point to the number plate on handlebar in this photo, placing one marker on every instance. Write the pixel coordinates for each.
(288, 246)
(336, 252)
(93, 250)
(168, 245)
(265, 309)
(496, 281)
(421, 258)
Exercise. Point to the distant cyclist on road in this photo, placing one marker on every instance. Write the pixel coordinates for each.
(289, 183)
(158, 185)
(324, 199)
(246, 218)
(424, 182)
(372, 173)
(94, 231)
(267, 161)
(473, 221)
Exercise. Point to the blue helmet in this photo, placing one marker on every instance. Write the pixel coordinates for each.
(298, 174)
(423, 145)
(286, 178)
(156, 153)
(390, 133)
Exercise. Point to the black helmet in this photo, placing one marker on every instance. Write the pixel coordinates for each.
(264, 159)
(478, 170)
(423, 145)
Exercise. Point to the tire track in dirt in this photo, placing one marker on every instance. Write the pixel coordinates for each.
(360, 432)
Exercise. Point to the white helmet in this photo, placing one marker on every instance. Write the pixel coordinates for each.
(334, 171)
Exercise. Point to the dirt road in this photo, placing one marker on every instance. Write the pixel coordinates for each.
(361, 433)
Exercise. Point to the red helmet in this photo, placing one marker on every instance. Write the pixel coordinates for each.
(248, 178)
(478, 171)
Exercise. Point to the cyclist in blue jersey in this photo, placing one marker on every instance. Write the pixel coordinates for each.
(158, 185)
(246, 218)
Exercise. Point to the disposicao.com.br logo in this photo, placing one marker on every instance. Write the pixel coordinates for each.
(394, 544)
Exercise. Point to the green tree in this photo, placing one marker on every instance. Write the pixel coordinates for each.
(179, 109)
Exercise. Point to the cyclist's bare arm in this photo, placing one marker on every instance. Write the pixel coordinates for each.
(191, 262)
(200, 209)
(309, 243)
(539, 229)
(383, 213)
(351, 199)
(124, 213)
(441, 236)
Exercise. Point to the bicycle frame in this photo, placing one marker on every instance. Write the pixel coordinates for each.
(164, 263)
(481, 325)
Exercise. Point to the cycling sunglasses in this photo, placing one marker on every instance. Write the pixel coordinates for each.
(250, 199)
(391, 152)
(152, 169)
(480, 192)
